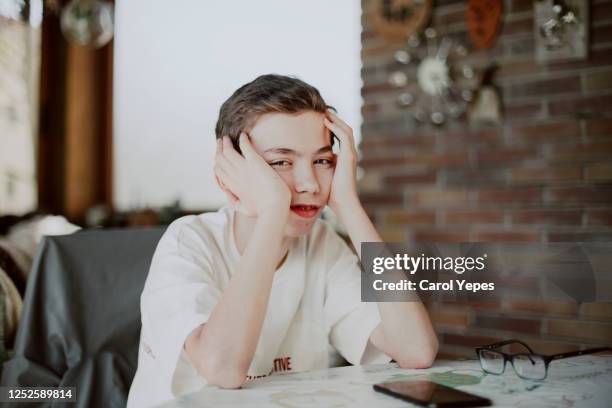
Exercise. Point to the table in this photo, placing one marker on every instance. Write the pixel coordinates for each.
(581, 381)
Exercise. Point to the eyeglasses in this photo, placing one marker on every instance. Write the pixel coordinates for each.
(529, 366)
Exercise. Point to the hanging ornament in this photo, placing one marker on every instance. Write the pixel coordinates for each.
(436, 85)
(483, 18)
(88, 22)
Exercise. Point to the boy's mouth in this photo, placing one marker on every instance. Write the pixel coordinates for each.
(305, 211)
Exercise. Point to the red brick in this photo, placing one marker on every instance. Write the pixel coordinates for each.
(441, 236)
(470, 341)
(381, 198)
(599, 216)
(546, 174)
(508, 324)
(510, 195)
(380, 162)
(388, 141)
(426, 177)
(376, 88)
(479, 304)
(584, 105)
(545, 346)
(601, 11)
(441, 317)
(442, 17)
(586, 151)
(599, 127)
(513, 69)
(545, 308)
(546, 131)
(596, 311)
(489, 156)
(523, 26)
(599, 172)
(439, 160)
(445, 354)
(597, 194)
(543, 87)
(523, 111)
(506, 236)
(598, 81)
(369, 108)
(580, 330)
(472, 177)
(409, 217)
(450, 138)
(556, 217)
(521, 5)
(391, 234)
(368, 35)
(564, 236)
(597, 58)
(439, 198)
(474, 217)
(601, 34)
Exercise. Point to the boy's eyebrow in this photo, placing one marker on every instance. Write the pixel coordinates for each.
(284, 150)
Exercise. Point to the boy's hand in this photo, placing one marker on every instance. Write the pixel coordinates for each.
(252, 186)
(344, 184)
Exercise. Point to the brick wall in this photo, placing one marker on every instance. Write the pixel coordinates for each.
(543, 174)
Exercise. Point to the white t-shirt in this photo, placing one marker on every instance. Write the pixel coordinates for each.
(314, 303)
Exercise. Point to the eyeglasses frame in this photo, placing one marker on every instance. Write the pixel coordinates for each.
(547, 358)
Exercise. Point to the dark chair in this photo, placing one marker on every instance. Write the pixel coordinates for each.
(81, 319)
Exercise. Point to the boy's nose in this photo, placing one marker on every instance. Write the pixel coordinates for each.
(306, 181)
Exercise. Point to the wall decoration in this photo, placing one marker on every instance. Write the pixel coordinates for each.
(436, 85)
(88, 23)
(561, 30)
(485, 107)
(483, 18)
(396, 19)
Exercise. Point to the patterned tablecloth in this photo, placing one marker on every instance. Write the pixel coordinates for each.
(577, 382)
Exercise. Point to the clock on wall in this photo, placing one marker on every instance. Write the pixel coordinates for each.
(436, 84)
(396, 19)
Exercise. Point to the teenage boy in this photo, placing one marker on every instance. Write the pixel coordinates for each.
(264, 285)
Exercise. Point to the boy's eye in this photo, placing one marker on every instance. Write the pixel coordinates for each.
(280, 163)
(325, 162)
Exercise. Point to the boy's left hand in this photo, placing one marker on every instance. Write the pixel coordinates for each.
(344, 183)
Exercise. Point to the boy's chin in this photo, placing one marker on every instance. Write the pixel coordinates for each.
(295, 230)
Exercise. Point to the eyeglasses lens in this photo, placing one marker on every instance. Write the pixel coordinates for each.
(491, 361)
(529, 366)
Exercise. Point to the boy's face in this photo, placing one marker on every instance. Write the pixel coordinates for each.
(298, 147)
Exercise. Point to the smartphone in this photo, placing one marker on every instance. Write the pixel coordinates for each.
(431, 394)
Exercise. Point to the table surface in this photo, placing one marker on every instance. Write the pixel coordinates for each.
(580, 381)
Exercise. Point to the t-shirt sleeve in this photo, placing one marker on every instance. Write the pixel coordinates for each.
(179, 295)
(350, 322)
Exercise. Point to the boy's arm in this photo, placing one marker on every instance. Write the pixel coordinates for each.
(222, 349)
(405, 333)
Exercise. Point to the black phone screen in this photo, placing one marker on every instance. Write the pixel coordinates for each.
(429, 393)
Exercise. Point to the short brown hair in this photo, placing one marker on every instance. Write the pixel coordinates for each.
(266, 94)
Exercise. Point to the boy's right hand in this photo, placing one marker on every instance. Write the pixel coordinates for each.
(252, 185)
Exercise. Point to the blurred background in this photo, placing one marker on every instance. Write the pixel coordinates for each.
(480, 121)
